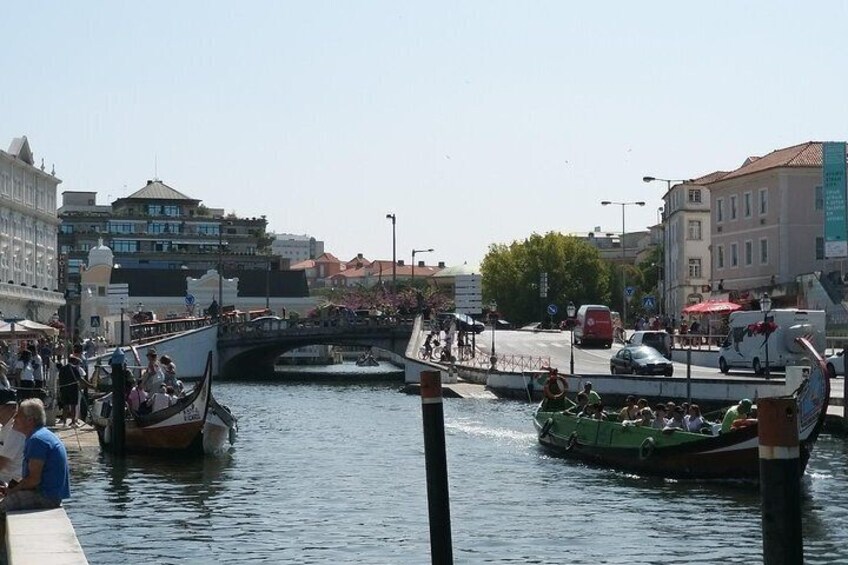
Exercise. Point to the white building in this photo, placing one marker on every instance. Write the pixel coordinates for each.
(28, 227)
(296, 248)
(686, 222)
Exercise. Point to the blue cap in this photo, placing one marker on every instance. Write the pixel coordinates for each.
(118, 357)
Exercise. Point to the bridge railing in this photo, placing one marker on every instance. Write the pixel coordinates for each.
(509, 363)
(270, 327)
(151, 331)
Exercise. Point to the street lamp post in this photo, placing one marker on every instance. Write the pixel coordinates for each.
(623, 255)
(571, 310)
(668, 183)
(493, 317)
(414, 252)
(268, 286)
(220, 266)
(765, 306)
(393, 218)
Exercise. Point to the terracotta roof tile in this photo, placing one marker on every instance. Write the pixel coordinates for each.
(807, 154)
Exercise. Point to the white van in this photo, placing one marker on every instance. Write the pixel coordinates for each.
(658, 339)
(745, 345)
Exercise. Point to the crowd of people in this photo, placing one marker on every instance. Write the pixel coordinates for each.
(667, 417)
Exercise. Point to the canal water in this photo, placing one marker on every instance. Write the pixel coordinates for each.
(334, 473)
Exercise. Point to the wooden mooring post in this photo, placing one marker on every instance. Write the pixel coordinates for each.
(438, 500)
(780, 481)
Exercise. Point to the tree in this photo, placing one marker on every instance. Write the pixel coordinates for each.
(511, 275)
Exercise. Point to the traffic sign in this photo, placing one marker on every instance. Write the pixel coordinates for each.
(552, 309)
(95, 321)
(648, 303)
(628, 291)
(189, 299)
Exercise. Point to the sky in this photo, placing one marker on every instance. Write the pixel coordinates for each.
(475, 123)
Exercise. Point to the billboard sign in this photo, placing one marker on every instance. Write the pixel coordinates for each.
(835, 210)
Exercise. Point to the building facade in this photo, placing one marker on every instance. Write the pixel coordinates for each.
(28, 230)
(768, 224)
(296, 248)
(686, 244)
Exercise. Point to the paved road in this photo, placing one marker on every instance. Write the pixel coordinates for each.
(557, 346)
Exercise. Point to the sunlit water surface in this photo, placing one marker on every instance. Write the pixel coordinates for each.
(334, 473)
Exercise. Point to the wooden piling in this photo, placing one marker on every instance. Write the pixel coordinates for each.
(438, 500)
(780, 481)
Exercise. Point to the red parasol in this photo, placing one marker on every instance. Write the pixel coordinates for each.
(711, 306)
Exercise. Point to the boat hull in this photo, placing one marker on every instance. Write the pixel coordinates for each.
(219, 429)
(677, 454)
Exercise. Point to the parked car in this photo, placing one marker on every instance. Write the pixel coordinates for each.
(836, 364)
(640, 360)
(464, 322)
(658, 339)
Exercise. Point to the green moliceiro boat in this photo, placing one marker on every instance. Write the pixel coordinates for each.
(678, 454)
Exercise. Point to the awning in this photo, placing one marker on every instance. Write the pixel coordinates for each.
(26, 326)
(712, 306)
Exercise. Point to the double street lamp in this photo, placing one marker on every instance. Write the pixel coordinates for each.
(414, 252)
(623, 255)
(668, 183)
(571, 310)
(393, 218)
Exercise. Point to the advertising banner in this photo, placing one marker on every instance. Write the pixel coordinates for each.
(835, 213)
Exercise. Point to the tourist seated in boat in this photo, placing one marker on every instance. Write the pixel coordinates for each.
(675, 422)
(594, 397)
(582, 401)
(169, 369)
(694, 421)
(598, 412)
(162, 399)
(738, 416)
(659, 417)
(137, 397)
(644, 418)
(153, 375)
(630, 410)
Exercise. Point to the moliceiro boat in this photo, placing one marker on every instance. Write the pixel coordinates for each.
(677, 454)
(196, 423)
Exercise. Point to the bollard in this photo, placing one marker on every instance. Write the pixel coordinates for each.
(438, 500)
(780, 481)
(118, 402)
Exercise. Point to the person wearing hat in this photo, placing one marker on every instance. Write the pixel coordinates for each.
(11, 442)
(741, 411)
(594, 397)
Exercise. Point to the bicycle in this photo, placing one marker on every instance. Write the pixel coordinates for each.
(435, 352)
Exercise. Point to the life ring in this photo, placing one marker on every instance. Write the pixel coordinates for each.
(647, 448)
(572, 441)
(546, 428)
(553, 378)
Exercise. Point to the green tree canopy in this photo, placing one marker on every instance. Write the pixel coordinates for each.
(511, 275)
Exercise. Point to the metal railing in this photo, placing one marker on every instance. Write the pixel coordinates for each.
(508, 363)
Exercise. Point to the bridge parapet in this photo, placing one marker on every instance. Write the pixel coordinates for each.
(273, 329)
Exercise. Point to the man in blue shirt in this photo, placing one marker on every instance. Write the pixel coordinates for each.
(45, 479)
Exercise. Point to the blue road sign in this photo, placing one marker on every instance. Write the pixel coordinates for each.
(649, 303)
(95, 322)
(189, 300)
(552, 309)
(628, 291)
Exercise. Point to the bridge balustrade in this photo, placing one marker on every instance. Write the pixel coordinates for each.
(151, 331)
(270, 328)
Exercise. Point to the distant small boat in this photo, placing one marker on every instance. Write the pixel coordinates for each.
(367, 360)
(194, 424)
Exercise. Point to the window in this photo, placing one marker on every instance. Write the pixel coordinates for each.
(695, 195)
(747, 207)
(733, 207)
(734, 255)
(819, 248)
(694, 268)
(124, 246)
(208, 229)
(719, 210)
(763, 201)
(694, 229)
(162, 246)
(749, 252)
(720, 257)
(763, 251)
(153, 209)
(819, 198)
(173, 211)
(120, 227)
(66, 228)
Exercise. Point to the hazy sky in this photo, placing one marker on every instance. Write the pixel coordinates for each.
(475, 122)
